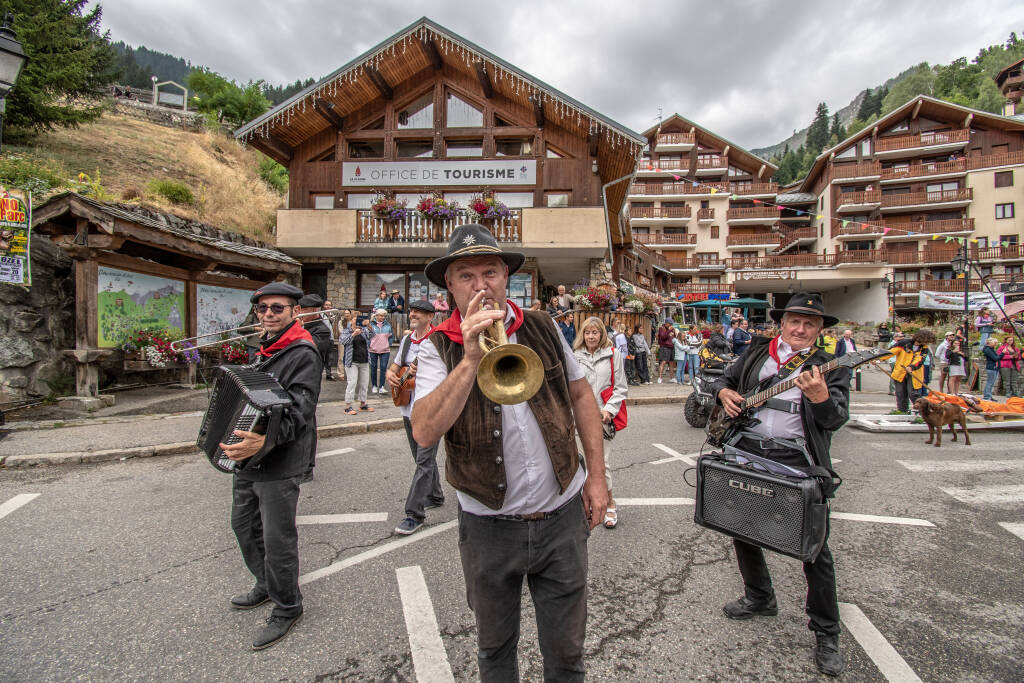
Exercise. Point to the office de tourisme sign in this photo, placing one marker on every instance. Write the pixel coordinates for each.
(439, 173)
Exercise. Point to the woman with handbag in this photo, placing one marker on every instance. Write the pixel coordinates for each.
(605, 370)
(381, 337)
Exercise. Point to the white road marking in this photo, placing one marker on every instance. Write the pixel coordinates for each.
(836, 460)
(354, 518)
(675, 455)
(871, 405)
(880, 519)
(884, 655)
(962, 465)
(1015, 528)
(429, 658)
(374, 552)
(16, 502)
(989, 495)
(654, 501)
(338, 451)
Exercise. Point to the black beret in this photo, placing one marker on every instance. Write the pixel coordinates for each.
(311, 301)
(277, 289)
(421, 305)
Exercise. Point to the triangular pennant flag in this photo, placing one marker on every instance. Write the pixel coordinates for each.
(935, 237)
(676, 177)
(948, 240)
(799, 212)
(844, 223)
(695, 183)
(885, 231)
(975, 241)
(1004, 244)
(818, 216)
(732, 197)
(715, 190)
(650, 167)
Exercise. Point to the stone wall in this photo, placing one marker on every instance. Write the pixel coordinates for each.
(164, 116)
(36, 323)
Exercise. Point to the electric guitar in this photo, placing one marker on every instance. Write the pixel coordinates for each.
(721, 427)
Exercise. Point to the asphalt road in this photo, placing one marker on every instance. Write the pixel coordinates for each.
(122, 571)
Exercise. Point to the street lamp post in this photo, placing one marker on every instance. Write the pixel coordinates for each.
(962, 266)
(890, 293)
(12, 59)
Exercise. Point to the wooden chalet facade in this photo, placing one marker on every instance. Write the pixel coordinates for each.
(427, 113)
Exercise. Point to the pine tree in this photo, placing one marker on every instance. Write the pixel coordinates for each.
(837, 131)
(817, 134)
(865, 106)
(69, 64)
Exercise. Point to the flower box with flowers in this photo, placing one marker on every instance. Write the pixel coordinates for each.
(437, 208)
(152, 350)
(590, 298)
(484, 207)
(389, 209)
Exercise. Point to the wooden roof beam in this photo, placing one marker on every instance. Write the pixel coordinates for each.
(432, 53)
(538, 110)
(967, 121)
(378, 81)
(917, 109)
(485, 81)
(277, 145)
(326, 112)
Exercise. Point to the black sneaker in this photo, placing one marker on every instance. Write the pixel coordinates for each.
(431, 504)
(275, 630)
(826, 654)
(250, 600)
(409, 526)
(745, 608)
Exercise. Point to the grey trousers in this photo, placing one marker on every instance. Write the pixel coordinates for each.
(426, 481)
(552, 555)
(263, 519)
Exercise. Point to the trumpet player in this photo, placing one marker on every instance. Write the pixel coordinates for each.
(526, 506)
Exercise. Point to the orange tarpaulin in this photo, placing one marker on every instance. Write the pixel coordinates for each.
(1012, 405)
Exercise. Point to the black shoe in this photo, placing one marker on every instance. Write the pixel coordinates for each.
(276, 629)
(308, 476)
(826, 654)
(250, 600)
(431, 504)
(330, 378)
(745, 608)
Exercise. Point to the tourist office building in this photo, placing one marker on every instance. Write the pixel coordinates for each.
(428, 114)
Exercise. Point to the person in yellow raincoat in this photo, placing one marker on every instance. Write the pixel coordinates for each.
(908, 367)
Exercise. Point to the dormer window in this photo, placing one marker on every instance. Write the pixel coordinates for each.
(418, 114)
(462, 114)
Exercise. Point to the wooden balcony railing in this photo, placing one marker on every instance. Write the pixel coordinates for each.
(678, 259)
(662, 238)
(839, 230)
(655, 258)
(797, 260)
(868, 169)
(661, 188)
(928, 139)
(712, 161)
(934, 285)
(665, 165)
(769, 213)
(991, 160)
(963, 194)
(416, 229)
(753, 188)
(705, 288)
(705, 214)
(930, 227)
(859, 198)
(660, 211)
(924, 170)
(676, 139)
(798, 234)
(772, 238)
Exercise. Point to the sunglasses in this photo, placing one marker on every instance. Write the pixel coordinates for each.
(278, 309)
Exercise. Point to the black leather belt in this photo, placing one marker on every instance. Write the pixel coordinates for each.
(538, 516)
(769, 449)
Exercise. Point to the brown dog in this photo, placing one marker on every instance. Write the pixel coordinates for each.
(937, 415)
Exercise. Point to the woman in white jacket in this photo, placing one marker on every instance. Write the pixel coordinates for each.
(599, 360)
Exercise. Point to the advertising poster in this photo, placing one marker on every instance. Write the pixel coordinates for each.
(947, 301)
(128, 301)
(15, 222)
(220, 308)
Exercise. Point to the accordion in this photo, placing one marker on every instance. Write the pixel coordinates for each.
(246, 399)
(784, 514)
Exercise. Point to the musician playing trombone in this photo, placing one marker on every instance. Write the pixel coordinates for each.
(795, 429)
(526, 505)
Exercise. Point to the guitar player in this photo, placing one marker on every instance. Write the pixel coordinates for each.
(425, 491)
(796, 426)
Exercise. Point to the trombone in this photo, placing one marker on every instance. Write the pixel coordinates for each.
(175, 344)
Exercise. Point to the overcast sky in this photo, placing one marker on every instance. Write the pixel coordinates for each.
(750, 71)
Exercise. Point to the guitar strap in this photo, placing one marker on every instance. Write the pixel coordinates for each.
(403, 351)
(785, 371)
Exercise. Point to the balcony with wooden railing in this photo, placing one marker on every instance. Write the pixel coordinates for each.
(909, 200)
(857, 229)
(712, 163)
(752, 214)
(755, 189)
(705, 288)
(664, 239)
(672, 142)
(935, 285)
(961, 225)
(995, 160)
(757, 239)
(663, 165)
(414, 228)
(798, 235)
(661, 189)
(773, 261)
(705, 215)
(857, 201)
(918, 141)
(949, 169)
(660, 213)
(680, 261)
(869, 170)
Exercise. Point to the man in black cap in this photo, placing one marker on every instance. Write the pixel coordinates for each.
(425, 491)
(265, 495)
(318, 327)
(525, 504)
(795, 429)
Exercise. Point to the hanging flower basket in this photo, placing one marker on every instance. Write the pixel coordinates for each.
(484, 207)
(389, 209)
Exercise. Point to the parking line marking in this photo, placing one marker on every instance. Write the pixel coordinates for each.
(338, 451)
(374, 552)
(654, 501)
(16, 502)
(884, 655)
(880, 519)
(961, 465)
(988, 495)
(429, 658)
(675, 455)
(354, 518)
(1015, 528)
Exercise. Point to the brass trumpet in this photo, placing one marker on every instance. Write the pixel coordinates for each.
(508, 373)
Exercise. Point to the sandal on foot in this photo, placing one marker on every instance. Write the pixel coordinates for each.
(611, 518)
(367, 408)
(351, 411)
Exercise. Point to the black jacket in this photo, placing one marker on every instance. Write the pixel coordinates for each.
(819, 419)
(321, 336)
(298, 371)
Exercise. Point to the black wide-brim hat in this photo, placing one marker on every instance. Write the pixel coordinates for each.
(805, 303)
(468, 240)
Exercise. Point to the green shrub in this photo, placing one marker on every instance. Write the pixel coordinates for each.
(26, 174)
(172, 191)
(274, 174)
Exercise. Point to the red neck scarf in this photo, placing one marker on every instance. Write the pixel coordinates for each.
(294, 333)
(430, 330)
(773, 351)
(452, 327)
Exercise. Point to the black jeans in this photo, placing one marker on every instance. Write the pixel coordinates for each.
(263, 519)
(552, 555)
(426, 482)
(331, 361)
(643, 372)
(906, 394)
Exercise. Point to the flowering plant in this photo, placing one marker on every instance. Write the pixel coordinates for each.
(437, 207)
(234, 354)
(641, 303)
(484, 206)
(387, 208)
(590, 297)
(155, 347)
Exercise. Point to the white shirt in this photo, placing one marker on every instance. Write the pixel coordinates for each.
(410, 356)
(532, 486)
(775, 423)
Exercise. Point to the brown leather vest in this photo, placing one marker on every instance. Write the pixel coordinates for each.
(473, 446)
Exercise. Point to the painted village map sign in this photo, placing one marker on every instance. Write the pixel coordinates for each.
(15, 221)
(128, 301)
(220, 308)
